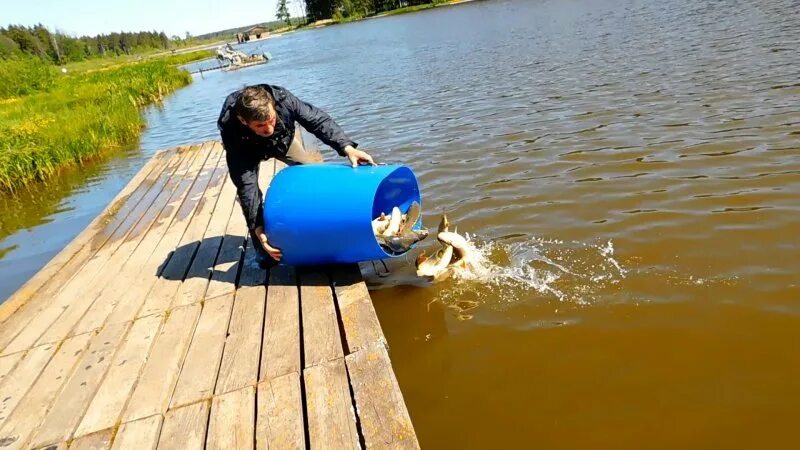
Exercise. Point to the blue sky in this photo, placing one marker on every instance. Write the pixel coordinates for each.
(90, 17)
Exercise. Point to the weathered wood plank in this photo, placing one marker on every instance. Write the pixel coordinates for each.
(165, 288)
(97, 441)
(29, 412)
(359, 320)
(194, 286)
(279, 423)
(321, 339)
(232, 422)
(252, 274)
(18, 382)
(85, 283)
(226, 266)
(154, 389)
(240, 357)
(185, 428)
(128, 306)
(199, 372)
(71, 403)
(59, 446)
(7, 363)
(385, 422)
(121, 279)
(106, 407)
(140, 434)
(74, 255)
(281, 348)
(331, 421)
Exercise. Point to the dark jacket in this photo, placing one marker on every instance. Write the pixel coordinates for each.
(244, 149)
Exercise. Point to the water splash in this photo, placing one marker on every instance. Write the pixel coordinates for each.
(536, 268)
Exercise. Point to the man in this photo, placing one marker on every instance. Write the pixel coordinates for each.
(257, 123)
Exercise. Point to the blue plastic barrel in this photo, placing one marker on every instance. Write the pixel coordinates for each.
(322, 213)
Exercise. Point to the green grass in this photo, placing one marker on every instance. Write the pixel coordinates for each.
(77, 117)
(25, 76)
(92, 65)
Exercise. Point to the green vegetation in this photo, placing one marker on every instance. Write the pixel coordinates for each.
(38, 41)
(282, 13)
(349, 10)
(49, 120)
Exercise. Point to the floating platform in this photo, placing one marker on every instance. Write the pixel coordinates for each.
(155, 329)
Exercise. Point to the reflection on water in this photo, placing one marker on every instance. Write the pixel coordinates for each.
(630, 171)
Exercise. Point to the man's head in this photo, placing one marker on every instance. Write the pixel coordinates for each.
(256, 109)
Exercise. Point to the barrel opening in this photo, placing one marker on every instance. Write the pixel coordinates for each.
(400, 189)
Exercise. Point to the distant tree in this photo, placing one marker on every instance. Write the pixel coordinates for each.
(283, 13)
(27, 41)
(8, 48)
(72, 49)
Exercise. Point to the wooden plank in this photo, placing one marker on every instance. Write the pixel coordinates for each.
(185, 428)
(82, 284)
(128, 306)
(240, 358)
(359, 320)
(78, 292)
(279, 423)
(71, 403)
(24, 419)
(7, 363)
(18, 382)
(59, 446)
(139, 435)
(161, 371)
(194, 286)
(252, 274)
(56, 271)
(121, 275)
(226, 265)
(106, 407)
(331, 421)
(281, 348)
(199, 372)
(321, 340)
(96, 441)
(232, 422)
(166, 286)
(385, 422)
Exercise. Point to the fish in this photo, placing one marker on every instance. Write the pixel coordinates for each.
(411, 217)
(463, 251)
(402, 243)
(399, 234)
(394, 223)
(462, 255)
(380, 224)
(436, 267)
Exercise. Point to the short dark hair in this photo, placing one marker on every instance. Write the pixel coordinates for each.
(254, 103)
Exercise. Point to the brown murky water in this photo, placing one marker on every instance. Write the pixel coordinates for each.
(631, 172)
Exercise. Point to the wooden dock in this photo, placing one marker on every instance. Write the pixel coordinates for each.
(155, 329)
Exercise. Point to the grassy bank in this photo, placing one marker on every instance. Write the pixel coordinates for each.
(50, 120)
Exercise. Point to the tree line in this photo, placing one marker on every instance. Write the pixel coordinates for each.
(343, 9)
(37, 41)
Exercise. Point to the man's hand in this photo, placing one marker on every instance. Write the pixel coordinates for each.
(273, 252)
(357, 156)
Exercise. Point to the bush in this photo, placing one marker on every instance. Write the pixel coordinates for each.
(25, 75)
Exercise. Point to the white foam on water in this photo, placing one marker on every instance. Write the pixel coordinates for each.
(505, 273)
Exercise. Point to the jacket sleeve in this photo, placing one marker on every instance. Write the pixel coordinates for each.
(244, 174)
(319, 123)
